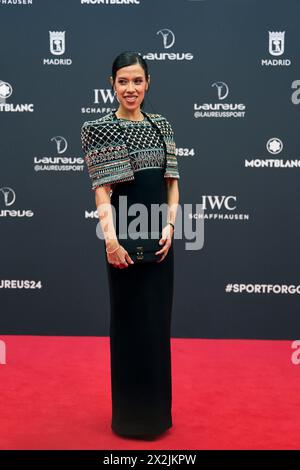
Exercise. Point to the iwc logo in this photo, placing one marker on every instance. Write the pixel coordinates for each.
(103, 102)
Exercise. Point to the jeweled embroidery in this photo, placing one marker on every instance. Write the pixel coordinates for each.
(109, 159)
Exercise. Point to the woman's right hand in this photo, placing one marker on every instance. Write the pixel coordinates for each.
(119, 258)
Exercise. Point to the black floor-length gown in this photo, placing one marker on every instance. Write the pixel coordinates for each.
(141, 297)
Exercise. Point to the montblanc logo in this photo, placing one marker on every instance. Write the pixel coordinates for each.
(168, 40)
(219, 207)
(59, 163)
(57, 47)
(295, 97)
(276, 49)
(274, 146)
(7, 199)
(110, 2)
(6, 91)
(221, 108)
(103, 102)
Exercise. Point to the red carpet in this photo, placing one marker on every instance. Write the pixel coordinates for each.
(227, 394)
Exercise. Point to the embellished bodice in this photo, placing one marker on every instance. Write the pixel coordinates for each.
(117, 148)
(145, 144)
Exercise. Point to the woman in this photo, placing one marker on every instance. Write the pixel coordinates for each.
(131, 153)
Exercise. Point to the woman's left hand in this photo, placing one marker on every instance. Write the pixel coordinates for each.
(166, 241)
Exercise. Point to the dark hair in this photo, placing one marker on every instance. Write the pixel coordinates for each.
(129, 58)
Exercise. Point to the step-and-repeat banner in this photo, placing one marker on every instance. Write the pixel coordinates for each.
(226, 74)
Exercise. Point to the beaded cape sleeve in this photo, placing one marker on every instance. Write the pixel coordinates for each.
(106, 153)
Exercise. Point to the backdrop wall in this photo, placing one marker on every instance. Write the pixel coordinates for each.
(226, 75)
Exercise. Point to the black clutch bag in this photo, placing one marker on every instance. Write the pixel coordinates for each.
(143, 249)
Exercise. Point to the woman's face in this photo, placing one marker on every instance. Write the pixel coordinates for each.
(130, 86)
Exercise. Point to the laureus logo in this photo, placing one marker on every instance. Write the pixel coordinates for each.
(9, 196)
(168, 37)
(222, 89)
(168, 40)
(59, 163)
(61, 143)
(225, 109)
